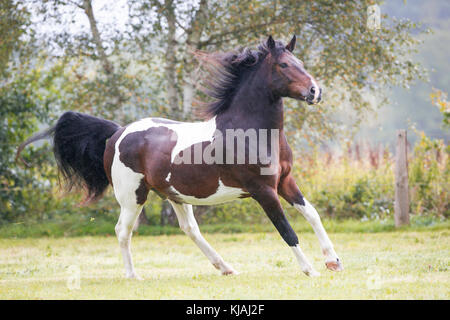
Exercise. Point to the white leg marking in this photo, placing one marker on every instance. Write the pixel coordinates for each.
(311, 215)
(304, 263)
(124, 229)
(189, 225)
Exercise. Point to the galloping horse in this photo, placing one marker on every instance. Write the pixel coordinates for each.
(248, 87)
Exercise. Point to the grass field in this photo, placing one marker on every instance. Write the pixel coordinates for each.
(391, 265)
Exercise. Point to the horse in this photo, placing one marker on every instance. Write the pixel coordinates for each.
(247, 90)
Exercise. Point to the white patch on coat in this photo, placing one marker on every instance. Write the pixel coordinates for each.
(190, 133)
(187, 133)
(168, 177)
(125, 181)
(222, 194)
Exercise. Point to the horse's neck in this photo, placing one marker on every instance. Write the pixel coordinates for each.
(253, 106)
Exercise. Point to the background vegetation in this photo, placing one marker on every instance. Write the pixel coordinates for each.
(126, 60)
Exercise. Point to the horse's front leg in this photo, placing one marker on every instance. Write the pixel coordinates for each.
(289, 190)
(268, 199)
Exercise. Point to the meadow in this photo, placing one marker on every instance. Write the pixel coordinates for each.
(402, 264)
(57, 250)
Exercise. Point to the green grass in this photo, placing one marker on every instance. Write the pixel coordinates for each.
(382, 265)
(76, 226)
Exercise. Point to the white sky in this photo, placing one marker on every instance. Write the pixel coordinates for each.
(110, 15)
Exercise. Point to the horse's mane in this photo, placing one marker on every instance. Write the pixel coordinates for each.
(224, 72)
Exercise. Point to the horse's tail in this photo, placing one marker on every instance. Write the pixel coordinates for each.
(78, 145)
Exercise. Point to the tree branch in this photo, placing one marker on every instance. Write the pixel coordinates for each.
(273, 21)
(87, 6)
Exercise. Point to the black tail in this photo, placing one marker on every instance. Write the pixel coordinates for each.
(78, 144)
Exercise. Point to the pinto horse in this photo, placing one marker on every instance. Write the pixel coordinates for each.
(248, 87)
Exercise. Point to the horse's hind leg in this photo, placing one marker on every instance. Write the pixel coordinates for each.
(189, 225)
(124, 230)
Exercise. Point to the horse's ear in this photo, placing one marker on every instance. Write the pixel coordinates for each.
(270, 43)
(291, 45)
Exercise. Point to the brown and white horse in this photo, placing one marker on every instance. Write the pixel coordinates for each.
(161, 155)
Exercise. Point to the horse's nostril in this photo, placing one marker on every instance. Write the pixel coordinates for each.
(312, 90)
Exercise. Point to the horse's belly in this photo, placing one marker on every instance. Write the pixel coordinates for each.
(222, 194)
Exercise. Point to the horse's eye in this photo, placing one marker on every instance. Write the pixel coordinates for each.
(283, 65)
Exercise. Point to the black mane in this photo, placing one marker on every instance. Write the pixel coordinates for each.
(225, 72)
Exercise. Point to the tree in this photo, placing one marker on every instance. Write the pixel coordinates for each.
(351, 62)
(20, 111)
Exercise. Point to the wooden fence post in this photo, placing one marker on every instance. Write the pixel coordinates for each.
(401, 207)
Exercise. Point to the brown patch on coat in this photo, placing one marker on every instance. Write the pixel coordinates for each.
(148, 152)
(197, 180)
(142, 192)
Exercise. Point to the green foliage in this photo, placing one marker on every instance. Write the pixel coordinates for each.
(429, 174)
(14, 28)
(76, 225)
(439, 99)
(19, 114)
(361, 185)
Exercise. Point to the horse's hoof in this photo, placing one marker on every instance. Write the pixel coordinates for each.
(229, 272)
(133, 276)
(334, 265)
(225, 269)
(312, 273)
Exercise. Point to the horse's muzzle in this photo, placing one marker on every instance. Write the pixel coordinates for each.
(311, 98)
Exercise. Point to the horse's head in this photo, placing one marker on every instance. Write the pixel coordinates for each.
(289, 77)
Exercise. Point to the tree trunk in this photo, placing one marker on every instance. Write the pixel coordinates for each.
(194, 34)
(107, 66)
(171, 59)
(116, 98)
(188, 95)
